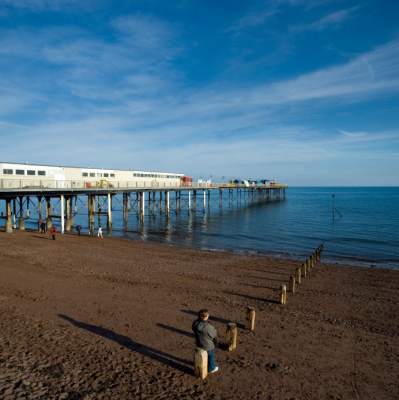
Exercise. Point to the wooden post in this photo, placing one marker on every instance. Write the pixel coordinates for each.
(231, 336)
(283, 294)
(167, 202)
(8, 213)
(298, 275)
(251, 318)
(292, 284)
(304, 271)
(201, 363)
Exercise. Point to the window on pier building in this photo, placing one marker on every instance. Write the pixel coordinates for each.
(41, 173)
(8, 171)
(30, 172)
(92, 174)
(106, 175)
(112, 175)
(20, 172)
(85, 174)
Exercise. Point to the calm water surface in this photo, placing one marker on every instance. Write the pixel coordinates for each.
(364, 231)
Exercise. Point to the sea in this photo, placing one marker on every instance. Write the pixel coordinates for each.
(357, 225)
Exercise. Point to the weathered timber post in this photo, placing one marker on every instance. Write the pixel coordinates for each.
(231, 336)
(298, 275)
(109, 210)
(62, 206)
(195, 199)
(251, 318)
(204, 194)
(49, 222)
(291, 285)
(189, 200)
(8, 214)
(21, 220)
(304, 271)
(283, 294)
(200, 363)
(220, 198)
(209, 197)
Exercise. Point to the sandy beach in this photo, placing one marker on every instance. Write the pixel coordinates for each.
(82, 318)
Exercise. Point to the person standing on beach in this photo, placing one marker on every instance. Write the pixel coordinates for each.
(100, 232)
(43, 227)
(53, 231)
(205, 337)
(79, 229)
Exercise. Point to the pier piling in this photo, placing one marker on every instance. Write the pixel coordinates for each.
(250, 318)
(283, 294)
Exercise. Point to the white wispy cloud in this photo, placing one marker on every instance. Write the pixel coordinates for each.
(251, 20)
(333, 19)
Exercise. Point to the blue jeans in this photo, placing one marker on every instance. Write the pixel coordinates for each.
(211, 360)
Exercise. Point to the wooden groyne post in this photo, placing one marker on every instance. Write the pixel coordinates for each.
(231, 336)
(200, 363)
(291, 284)
(298, 275)
(283, 294)
(251, 318)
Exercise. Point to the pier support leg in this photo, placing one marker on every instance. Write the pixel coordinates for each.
(291, 285)
(91, 210)
(49, 222)
(220, 198)
(142, 204)
(167, 202)
(62, 205)
(39, 211)
(298, 275)
(68, 206)
(204, 194)
(109, 210)
(14, 213)
(189, 200)
(21, 220)
(8, 214)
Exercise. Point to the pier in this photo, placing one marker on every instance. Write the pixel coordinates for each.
(61, 200)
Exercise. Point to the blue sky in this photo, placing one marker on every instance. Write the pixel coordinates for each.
(303, 91)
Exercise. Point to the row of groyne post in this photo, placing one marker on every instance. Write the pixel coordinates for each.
(300, 273)
(61, 207)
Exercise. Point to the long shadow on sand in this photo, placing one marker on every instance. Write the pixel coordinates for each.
(176, 330)
(213, 318)
(246, 296)
(267, 271)
(157, 355)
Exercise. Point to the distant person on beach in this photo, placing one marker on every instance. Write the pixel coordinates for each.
(79, 229)
(53, 231)
(42, 227)
(100, 232)
(205, 337)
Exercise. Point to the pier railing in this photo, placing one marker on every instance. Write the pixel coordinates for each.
(36, 184)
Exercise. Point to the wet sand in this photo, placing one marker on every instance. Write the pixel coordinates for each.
(82, 318)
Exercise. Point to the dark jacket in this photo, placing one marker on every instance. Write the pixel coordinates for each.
(205, 334)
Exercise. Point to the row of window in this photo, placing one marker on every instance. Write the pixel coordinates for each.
(142, 175)
(30, 172)
(98, 175)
